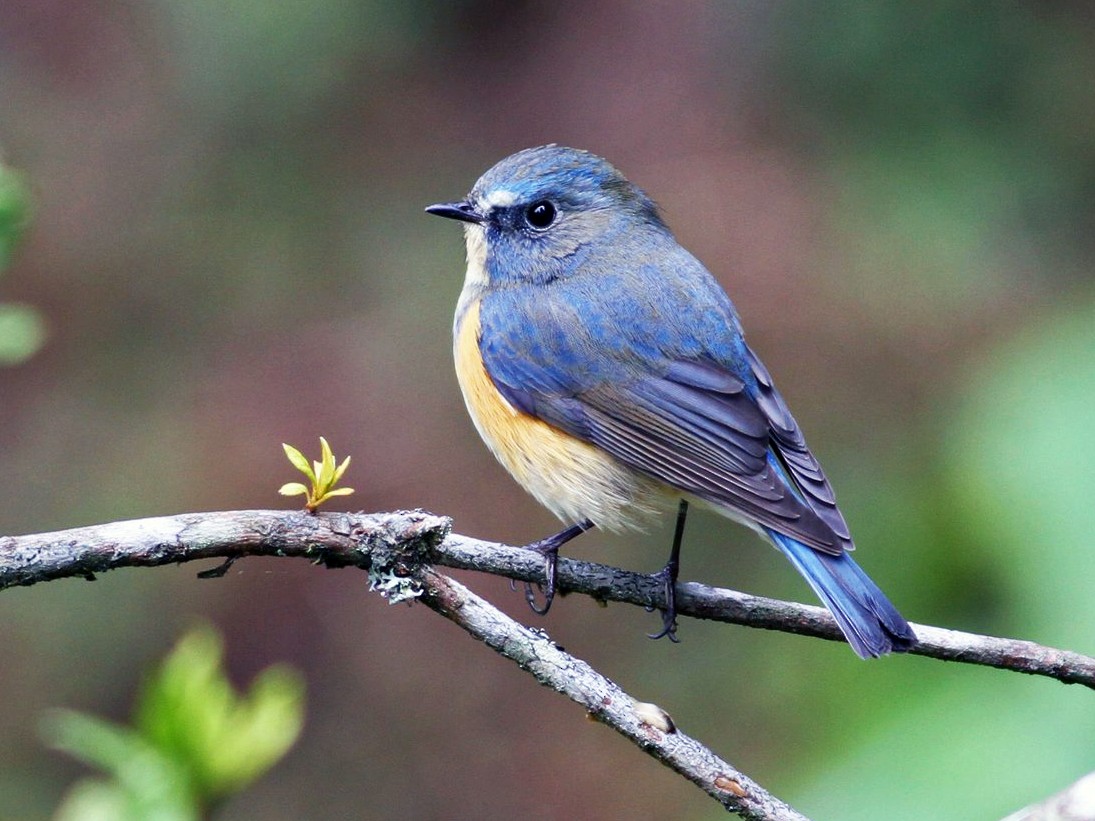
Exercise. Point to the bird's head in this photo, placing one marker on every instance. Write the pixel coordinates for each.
(533, 216)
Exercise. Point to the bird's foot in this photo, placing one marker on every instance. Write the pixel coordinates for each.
(550, 552)
(668, 577)
(549, 549)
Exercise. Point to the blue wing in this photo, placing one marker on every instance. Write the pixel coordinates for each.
(660, 377)
(703, 418)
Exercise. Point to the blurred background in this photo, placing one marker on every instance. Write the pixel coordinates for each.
(228, 251)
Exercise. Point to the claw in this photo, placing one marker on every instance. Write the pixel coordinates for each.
(668, 576)
(218, 571)
(551, 559)
(669, 616)
(549, 549)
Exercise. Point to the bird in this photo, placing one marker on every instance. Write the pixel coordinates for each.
(607, 370)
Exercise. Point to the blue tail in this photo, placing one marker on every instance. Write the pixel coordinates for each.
(870, 623)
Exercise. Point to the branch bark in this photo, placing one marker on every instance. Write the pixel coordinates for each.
(400, 551)
(343, 539)
(649, 727)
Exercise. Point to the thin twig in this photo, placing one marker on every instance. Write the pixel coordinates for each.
(399, 550)
(646, 725)
(340, 539)
(700, 601)
(396, 548)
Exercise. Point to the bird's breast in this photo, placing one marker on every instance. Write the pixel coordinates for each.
(573, 479)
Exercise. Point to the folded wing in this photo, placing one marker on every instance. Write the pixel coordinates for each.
(699, 428)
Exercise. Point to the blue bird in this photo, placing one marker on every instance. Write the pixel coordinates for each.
(608, 372)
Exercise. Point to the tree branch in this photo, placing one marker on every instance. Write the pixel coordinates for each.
(408, 539)
(646, 725)
(397, 549)
(700, 601)
(400, 549)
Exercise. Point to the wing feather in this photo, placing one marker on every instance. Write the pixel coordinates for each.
(711, 426)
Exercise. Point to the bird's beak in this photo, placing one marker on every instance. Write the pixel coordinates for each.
(463, 211)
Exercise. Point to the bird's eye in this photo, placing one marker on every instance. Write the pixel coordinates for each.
(540, 215)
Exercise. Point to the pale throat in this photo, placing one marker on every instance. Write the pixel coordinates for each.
(475, 278)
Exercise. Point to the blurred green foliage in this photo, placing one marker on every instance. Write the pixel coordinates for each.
(263, 62)
(954, 133)
(22, 330)
(194, 740)
(14, 212)
(1016, 470)
(1016, 473)
(959, 145)
(1021, 456)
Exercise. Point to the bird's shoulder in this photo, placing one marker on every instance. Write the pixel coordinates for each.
(636, 307)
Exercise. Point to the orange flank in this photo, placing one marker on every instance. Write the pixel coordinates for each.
(569, 477)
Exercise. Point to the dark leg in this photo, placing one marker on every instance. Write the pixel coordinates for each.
(549, 549)
(218, 571)
(668, 575)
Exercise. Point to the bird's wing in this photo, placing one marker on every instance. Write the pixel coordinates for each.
(692, 424)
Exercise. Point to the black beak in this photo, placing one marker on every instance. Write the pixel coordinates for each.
(463, 211)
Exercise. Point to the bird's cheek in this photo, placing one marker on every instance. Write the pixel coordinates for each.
(475, 239)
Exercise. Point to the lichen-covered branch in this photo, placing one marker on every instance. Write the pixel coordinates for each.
(340, 539)
(645, 724)
(718, 604)
(398, 550)
(401, 551)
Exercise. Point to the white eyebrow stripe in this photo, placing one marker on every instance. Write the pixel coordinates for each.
(501, 198)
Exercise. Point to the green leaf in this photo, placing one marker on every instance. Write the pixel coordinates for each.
(338, 491)
(293, 489)
(146, 783)
(299, 461)
(182, 702)
(94, 800)
(326, 473)
(341, 470)
(191, 712)
(14, 212)
(261, 728)
(22, 333)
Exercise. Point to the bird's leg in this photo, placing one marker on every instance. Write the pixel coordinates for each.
(549, 549)
(668, 575)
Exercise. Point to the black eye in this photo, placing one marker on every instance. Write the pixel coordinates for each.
(540, 215)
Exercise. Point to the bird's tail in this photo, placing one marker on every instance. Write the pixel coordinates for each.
(870, 623)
